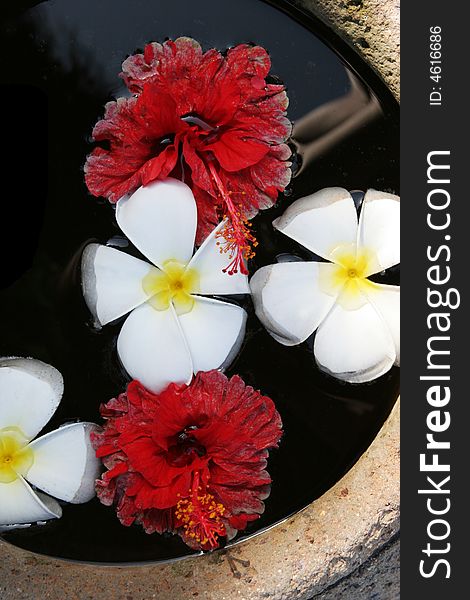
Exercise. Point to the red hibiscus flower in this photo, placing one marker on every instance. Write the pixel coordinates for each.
(191, 460)
(210, 119)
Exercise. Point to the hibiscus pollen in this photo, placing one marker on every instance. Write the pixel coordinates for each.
(200, 517)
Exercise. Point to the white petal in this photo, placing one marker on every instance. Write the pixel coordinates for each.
(386, 300)
(322, 221)
(379, 228)
(152, 348)
(354, 345)
(112, 282)
(160, 220)
(214, 331)
(289, 301)
(30, 392)
(210, 262)
(65, 465)
(19, 504)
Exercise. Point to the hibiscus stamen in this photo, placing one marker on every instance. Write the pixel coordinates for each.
(235, 238)
(200, 516)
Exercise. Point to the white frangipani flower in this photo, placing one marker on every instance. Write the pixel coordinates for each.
(356, 320)
(172, 330)
(61, 463)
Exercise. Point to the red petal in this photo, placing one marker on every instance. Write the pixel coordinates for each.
(247, 61)
(272, 175)
(245, 193)
(200, 175)
(235, 151)
(139, 68)
(207, 213)
(240, 522)
(132, 127)
(264, 117)
(147, 496)
(160, 166)
(157, 521)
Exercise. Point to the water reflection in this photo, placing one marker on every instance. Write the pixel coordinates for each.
(86, 28)
(324, 127)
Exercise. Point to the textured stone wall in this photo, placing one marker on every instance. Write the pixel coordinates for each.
(372, 26)
(376, 579)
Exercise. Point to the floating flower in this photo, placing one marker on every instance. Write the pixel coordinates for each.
(61, 463)
(191, 459)
(172, 331)
(357, 320)
(209, 118)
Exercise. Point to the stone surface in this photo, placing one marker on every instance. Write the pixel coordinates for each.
(372, 26)
(377, 579)
(318, 548)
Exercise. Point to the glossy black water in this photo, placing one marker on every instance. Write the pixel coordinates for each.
(72, 51)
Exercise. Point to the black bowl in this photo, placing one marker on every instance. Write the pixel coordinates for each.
(68, 54)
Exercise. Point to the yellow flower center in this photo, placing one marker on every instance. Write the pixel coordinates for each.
(347, 278)
(175, 283)
(16, 457)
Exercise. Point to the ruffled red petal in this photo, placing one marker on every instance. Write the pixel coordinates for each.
(208, 214)
(200, 173)
(235, 150)
(133, 129)
(199, 450)
(217, 112)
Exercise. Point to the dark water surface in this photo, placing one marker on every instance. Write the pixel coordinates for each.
(72, 51)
